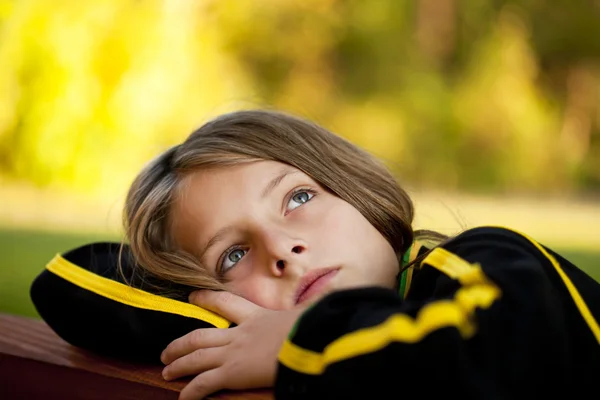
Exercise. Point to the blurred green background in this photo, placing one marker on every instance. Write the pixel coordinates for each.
(488, 112)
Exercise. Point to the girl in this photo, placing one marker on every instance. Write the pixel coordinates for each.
(307, 244)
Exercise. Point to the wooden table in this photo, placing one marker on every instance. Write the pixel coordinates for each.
(36, 363)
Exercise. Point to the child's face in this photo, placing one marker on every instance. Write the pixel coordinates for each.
(281, 240)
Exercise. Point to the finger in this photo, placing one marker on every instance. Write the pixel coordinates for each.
(203, 385)
(197, 339)
(233, 307)
(195, 363)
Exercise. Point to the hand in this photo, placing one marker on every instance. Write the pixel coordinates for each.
(242, 357)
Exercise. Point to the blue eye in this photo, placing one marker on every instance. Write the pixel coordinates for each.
(299, 197)
(231, 259)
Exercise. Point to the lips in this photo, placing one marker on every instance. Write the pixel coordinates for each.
(313, 282)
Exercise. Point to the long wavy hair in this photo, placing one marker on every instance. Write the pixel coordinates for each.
(245, 136)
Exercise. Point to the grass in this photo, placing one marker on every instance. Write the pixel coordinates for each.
(26, 252)
(24, 255)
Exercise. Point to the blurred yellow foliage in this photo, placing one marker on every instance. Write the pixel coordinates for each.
(91, 90)
(451, 94)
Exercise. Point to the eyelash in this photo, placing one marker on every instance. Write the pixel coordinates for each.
(294, 192)
(231, 249)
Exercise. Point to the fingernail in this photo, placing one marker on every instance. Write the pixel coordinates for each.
(165, 374)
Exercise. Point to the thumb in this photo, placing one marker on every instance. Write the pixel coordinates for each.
(228, 305)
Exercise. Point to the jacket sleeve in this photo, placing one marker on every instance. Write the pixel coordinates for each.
(499, 323)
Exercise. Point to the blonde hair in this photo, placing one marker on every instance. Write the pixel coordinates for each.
(339, 166)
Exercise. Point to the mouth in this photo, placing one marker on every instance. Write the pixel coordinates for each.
(312, 283)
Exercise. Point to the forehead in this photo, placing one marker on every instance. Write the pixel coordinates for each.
(211, 198)
(247, 177)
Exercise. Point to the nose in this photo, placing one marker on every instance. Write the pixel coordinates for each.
(281, 263)
(283, 253)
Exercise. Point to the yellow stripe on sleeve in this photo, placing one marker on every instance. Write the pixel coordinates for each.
(575, 295)
(477, 292)
(128, 295)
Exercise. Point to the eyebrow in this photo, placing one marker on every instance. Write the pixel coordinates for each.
(275, 182)
(268, 189)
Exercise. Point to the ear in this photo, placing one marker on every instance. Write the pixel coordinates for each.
(82, 296)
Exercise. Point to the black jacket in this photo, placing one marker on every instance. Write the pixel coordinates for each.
(490, 314)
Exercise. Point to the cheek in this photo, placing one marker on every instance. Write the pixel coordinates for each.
(381, 257)
(346, 227)
(346, 231)
(248, 290)
(257, 291)
(244, 281)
